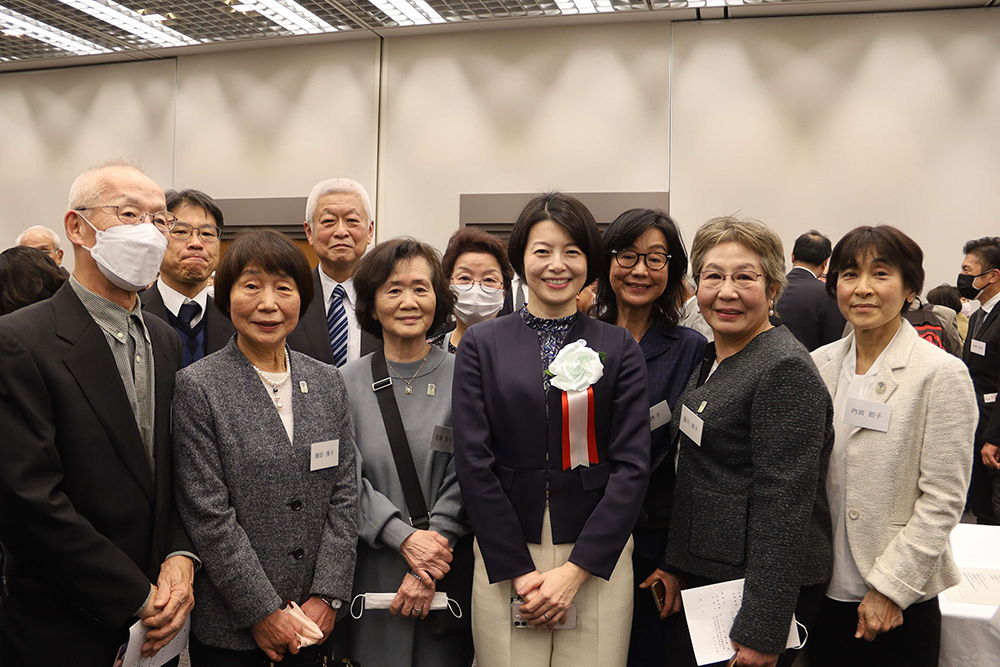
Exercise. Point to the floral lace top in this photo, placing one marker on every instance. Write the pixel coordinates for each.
(551, 337)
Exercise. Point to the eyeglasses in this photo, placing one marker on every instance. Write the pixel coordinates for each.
(742, 280)
(464, 283)
(133, 215)
(629, 258)
(182, 232)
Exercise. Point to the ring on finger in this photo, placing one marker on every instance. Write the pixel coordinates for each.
(546, 617)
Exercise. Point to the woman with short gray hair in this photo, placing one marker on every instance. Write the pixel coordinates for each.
(754, 436)
(265, 470)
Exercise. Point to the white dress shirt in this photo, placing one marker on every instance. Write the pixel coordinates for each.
(846, 584)
(173, 300)
(350, 300)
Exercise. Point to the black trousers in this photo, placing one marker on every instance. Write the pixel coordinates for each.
(916, 643)
(654, 642)
(203, 655)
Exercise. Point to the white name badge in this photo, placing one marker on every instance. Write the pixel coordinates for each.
(978, 347)
(989, 398)
(443, 440)
(867, 414)
(659, 415)
(691, 424)
(324, 455)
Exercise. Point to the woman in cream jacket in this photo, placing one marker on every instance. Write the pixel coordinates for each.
(903, 416)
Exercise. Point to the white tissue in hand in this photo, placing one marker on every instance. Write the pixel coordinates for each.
(310, 631)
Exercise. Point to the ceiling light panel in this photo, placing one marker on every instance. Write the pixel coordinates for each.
(131, 21)
(18, 28)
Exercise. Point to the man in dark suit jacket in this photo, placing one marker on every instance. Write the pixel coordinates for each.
(87, 518)
(805, 308)
(982, 355)
(180, 296)
(339, 226)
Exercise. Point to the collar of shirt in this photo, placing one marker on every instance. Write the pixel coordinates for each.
(809, 271)
(328, 283)
(111, 317)
(987, 307)
(173, 300)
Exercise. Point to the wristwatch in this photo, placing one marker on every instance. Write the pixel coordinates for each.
(333, 602)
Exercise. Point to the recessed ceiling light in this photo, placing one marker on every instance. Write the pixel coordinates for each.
(14, 22)
(130, 21)
(290, 15)
(406, 13)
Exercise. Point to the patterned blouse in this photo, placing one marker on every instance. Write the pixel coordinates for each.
(551, 338)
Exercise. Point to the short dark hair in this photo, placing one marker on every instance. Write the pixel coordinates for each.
(569, 213)
(190, 197)
(27, 275)
(473, 239)
(987, 249)
(888, 244)
(270, 252)
(946, 295)
(812, 248)
(621, 234)
(376, 267)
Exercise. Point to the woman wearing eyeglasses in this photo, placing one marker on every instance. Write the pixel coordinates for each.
(642, 292)
(754, 430)
(477, 268)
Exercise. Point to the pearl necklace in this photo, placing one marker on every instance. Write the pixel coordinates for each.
(275, 385)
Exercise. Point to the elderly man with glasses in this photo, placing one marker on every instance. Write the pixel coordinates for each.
(181, 295)
(87, 519)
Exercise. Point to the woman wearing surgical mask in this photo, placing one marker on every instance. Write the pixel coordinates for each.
(477, 268)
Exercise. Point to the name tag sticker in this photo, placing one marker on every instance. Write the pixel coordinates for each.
(324, 455)
(867, 414)
(978, 347)
(659, 415)
(989, 398)
(691, 424)
(442, 440)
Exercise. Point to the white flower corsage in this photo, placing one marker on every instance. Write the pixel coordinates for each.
(576, 367)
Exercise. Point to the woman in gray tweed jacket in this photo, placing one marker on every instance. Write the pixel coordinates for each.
(265, 469)
(754, 435)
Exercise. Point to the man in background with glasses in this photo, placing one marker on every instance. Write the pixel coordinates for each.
(180, 295)
(87, 519)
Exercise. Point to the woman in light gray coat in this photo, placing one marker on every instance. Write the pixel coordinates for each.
(265, 469)
(900, 466)
(402, 294)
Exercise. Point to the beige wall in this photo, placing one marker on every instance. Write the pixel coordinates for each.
(806, 122)
(55, 124)
(837, 122)
(577, 109)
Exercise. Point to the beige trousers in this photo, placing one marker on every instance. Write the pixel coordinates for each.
(604, 619)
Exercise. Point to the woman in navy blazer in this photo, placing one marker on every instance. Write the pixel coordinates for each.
(551, 526)
(641, 291)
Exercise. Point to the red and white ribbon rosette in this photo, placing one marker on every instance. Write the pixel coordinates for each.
(574, 370)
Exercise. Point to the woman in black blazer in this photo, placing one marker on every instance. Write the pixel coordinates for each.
(642, 291)
(552, 454)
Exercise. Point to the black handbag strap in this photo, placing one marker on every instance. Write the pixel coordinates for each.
(412, 493)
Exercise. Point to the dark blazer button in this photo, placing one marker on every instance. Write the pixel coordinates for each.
(298, 554)
(296, 505)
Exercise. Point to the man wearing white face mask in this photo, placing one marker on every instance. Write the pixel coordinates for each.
(87, 517)
(476, 265)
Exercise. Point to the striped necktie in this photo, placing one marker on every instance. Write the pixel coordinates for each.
(190, 310)
(336, 323)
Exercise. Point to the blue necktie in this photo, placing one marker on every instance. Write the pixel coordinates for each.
(336, 323)
(186, 315)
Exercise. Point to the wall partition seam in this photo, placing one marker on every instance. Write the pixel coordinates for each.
(379, 101)
(173, 138)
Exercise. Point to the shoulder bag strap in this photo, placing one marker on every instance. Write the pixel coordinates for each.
(412, 493)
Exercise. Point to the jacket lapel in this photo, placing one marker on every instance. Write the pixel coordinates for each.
(315, 324)
(92, 364)
(219, 328)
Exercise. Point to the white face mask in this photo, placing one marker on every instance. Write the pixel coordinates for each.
(476, 303)
(970, 307)
(366, 601)
(128, 255)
